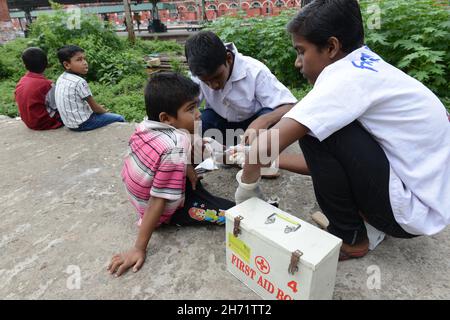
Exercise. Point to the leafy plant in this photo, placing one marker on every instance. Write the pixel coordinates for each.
(159, 46)
(415, 37)
(7, 104)
(11, 65)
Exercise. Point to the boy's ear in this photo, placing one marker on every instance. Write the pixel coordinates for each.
(229, 57)
(164, 117)
(334, 47)
(66, 65)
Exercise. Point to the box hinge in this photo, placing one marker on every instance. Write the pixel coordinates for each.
(237, 225)
(295, 258)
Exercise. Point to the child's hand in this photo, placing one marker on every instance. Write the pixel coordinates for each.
(193, 177)
(123, 261)
(105, 108)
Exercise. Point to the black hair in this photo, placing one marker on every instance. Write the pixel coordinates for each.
(205, 52)
(35, 59)
(167, 92)
(322, 19)
(66, 53)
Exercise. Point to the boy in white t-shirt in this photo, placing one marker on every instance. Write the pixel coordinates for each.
(375, 141)
(78, 109)
(240, 92)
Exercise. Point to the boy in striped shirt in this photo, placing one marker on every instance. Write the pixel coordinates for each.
(156, 168)
(78, 109)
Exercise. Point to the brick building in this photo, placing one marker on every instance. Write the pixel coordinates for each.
(7, 31)
(174, 11)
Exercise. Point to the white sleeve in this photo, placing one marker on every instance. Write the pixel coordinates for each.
(335, 101)
(270, 92)
(83, 90)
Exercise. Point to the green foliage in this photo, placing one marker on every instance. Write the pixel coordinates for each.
(7, 104)
(299, 93)
(125, 98)
(11, 65)
(415, 37)
(158, 46)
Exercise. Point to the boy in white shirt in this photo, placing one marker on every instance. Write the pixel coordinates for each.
(240, 92)
(78, 109)
(375, 141)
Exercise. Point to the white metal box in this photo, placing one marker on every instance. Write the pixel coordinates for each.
(280, 256)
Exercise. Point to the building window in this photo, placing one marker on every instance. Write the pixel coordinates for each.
(255, 5)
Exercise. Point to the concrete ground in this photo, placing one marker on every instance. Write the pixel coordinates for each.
(64, 212)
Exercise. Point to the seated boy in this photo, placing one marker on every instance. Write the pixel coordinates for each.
(156, 167)
(240, 92)
(74, 100)
(33, 91)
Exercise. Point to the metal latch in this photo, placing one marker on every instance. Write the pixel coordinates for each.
(237, 225)
(288, 229)
(295, 258)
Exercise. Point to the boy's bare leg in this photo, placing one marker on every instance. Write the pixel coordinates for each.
(294, 163)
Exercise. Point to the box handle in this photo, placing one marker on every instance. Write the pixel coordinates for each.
(237, 225)
(271, 219)
(295, 258)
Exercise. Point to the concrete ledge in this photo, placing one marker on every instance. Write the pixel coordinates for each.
(63, 210)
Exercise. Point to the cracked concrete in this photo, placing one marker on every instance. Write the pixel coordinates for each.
(63, 212)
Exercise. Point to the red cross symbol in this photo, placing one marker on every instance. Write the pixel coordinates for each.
(262, 264)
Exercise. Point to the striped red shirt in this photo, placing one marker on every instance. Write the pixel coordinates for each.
(156, 167)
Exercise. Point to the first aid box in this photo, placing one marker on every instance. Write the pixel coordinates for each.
(278, 255)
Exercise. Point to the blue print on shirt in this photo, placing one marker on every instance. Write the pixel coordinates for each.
(366, 62)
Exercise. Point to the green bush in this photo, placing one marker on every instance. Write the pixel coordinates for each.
(11, 65)
(125, 98)
(7, 103)
(414, 36)
(159, 46)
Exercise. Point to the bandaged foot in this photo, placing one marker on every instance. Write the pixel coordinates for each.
(246, 191)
